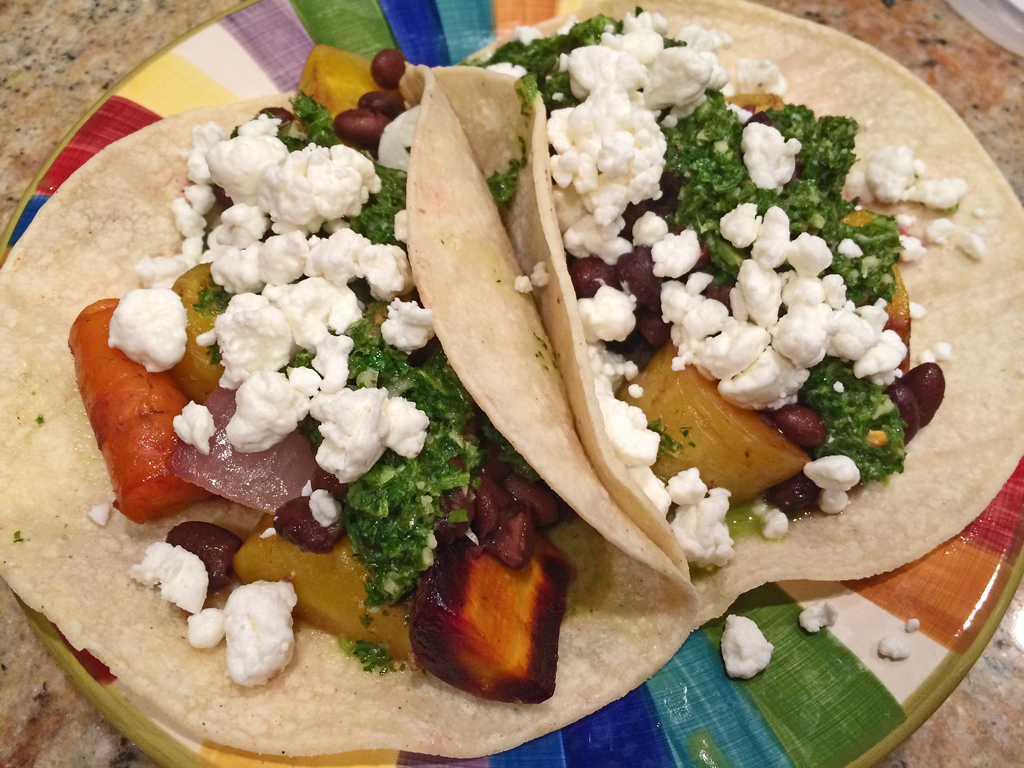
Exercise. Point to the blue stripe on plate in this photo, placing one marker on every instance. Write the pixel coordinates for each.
(417, 28)
(705, 715)
(546, 751)
(31, 209)
(468, 26)
(625, 734)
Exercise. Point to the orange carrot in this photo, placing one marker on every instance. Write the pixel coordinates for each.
(131, 412)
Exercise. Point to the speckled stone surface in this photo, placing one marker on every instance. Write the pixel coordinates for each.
(57, 58)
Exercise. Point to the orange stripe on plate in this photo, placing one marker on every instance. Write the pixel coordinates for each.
(509, 14)
(225, 757)
(951, 590)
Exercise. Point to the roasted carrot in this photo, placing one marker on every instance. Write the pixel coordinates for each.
(131, 412)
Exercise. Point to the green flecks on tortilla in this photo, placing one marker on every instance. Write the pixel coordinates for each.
(503, 183)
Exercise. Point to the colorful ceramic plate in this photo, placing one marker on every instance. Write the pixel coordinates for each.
(826, 699)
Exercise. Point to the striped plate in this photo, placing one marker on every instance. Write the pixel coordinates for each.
(825, 700)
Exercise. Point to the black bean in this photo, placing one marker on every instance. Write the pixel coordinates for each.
(361, 128)
(214, 545)
(671, 184)
(387, 67)
(590, 273)
(456, 499)
(800, 425)
(721, 293)
(636, 273)
(630, 216)
(221, 196)
(282, 114)
(910, 413)
(540, 500)
(758, 117)
(653, 328)
(382, 102)
(793, 495)
(928, 384)
(323, 480)
(294, 522)
(491, 499)
(513, 542)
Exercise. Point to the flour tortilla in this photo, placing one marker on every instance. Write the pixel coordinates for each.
(956, 465)
(627, 618)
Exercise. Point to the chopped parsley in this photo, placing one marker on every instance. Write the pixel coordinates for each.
(40, 420)
(666, 445)
(376, 220)
(540, 59)
(375, 657)
(17, 538)
(213, 301)
(503, 183)
(849, 416)
(314, 125)
(526, 89)
(390, 511)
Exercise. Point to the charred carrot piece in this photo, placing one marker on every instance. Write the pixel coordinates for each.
(131, 412)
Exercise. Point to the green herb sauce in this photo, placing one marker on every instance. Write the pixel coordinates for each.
(376, 220)
(860, 408)
(503, 183)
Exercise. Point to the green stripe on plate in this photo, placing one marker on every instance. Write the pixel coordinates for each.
(823, 704)
(353, 25)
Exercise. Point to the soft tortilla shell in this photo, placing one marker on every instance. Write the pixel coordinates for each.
(627, 619)
(957, 464)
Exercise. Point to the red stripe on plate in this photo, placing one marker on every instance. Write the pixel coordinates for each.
(116, 118)
(998, 526)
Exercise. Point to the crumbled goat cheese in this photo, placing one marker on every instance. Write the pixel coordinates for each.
(772, 242)
(770, 159)
(649, 229)
(833, 473)
(917, 311)
(741, 225)
(971, 243)
(258, 628)
(675, 255)
(315, 306)
(939, 230)
(816, 617)
(759, 76)
(505, 68)
(706, 40)
(938, 193)
(200, 197)
(912, 248)
(267, 410)
(596, 65)
(912, 625)
(626, 427)
(396, 140)
(701, 530)
(386, 269)
(325, 508)
(407, 427)
(890, 170)
(539, 276)
(608, 316)
(522, 284)
(409, 326)
(162, 271)
(188, 222)
(181, 575)
(194, 426)
(252, 335)
(635, 391)
(100, 514)
(774, 524)
(833, 502)
(354, 428)
(316, 184)
(237, 270)
(206, 628)
(282, 258)
(337, 257)
(679, 78)
(402, 225)
(203, 137)
(305, 380)
(526, 35)
(237, 165)
(148, 325)
(652, 487)
(241, 226)
(331, 362)
(893, 648)
(745, 650)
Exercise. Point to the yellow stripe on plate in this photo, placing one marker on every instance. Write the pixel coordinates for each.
(225, 757)
(170, 85)
(569, 6)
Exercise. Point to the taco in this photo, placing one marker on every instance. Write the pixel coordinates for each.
(632, 148)
(629, 607)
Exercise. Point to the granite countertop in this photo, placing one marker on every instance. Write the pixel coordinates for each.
(57, 58)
